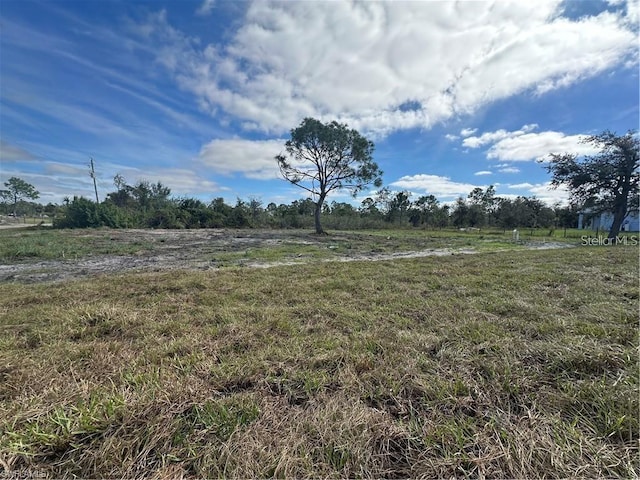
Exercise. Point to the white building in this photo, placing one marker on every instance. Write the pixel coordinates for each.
(603, 221)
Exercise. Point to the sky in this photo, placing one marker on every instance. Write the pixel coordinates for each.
(201, 95)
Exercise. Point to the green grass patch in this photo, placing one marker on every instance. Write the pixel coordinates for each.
(46, 244)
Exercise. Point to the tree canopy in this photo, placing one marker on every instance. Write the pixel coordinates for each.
(322, 157)
(18, 189)
(605, 182)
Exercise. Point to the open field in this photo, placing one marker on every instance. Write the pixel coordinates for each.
(10, 221)
(43, 254)
(511, 362)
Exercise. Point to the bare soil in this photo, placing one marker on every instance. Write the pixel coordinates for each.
(209, 250)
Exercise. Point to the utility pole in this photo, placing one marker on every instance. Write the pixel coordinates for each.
(92, 174)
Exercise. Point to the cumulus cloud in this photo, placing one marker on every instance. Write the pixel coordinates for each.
(434, 185)
(543, 191)
(524, 145)
(520, 186)
(493, 137)
(184, 182)
(364, 63)
(451, 137)
(550, 195)
(254, 159)
(633, 12)
(467, 132)
(538, 146)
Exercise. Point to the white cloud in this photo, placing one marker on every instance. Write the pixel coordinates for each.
(254, 159)
(492, 137)
(521, 186)
(509, 170)
(484, 172)
(434, 185)
(467, 132)
(524, 145)
(538, 146)
(542, 191)
(185, 182)
(450, 137)
(364, 62)
(633, 12)
(206, 7)
(181, 181)
(549, 195)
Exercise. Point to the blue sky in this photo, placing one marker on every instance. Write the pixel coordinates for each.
(202, 95)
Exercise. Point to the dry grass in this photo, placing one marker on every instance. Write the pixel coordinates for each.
(511, 364)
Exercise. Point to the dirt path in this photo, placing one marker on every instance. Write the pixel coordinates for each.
(212, 250)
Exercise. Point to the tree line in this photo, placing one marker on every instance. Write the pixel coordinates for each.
(151, 205)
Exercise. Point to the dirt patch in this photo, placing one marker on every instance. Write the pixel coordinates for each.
(213, 249)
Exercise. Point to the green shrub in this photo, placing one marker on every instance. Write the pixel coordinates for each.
(83, 213)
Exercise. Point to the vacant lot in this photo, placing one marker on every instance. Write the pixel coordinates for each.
(36, 255)
(506, 363)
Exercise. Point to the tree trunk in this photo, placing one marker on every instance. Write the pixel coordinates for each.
(316, 215)
(618, 218)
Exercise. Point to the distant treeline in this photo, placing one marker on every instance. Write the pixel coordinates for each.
(148, 205)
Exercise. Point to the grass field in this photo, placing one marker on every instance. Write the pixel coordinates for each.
(45, 243)
(500, 364)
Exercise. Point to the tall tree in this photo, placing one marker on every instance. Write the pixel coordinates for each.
(369, 207)
(322, 157)
(482, 205)
(122, 197)
(397, 206)
(425, 210)
(566, 216)
(605, 182)
(18, 189)
(460, 214)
